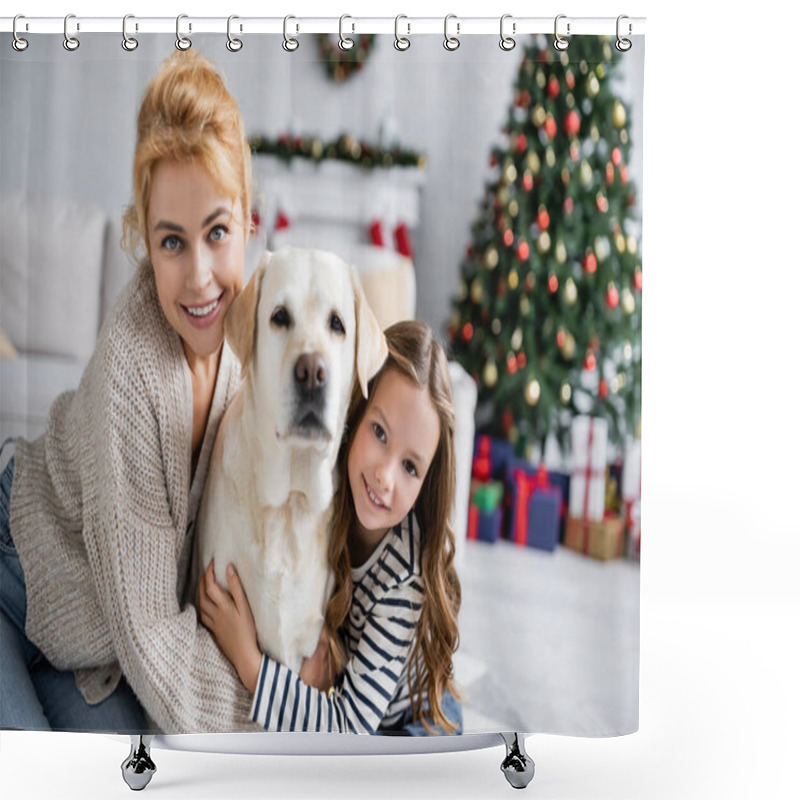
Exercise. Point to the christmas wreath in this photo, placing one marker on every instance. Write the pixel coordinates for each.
(342, 64)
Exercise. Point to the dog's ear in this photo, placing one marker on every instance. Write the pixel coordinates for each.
(240, 321)
(371, 349)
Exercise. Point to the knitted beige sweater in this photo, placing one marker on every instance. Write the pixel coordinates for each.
(102, 510)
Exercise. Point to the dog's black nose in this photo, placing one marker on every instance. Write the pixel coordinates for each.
(310, 372)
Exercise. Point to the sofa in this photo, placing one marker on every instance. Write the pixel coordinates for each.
(62, 268)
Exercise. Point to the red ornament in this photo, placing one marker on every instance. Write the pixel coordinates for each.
(552, 284)
(511, 363)
(523, 98)
(508, 237)
(591, 362)
(523, 251)
(590, 263)
(570, 80)
(612, 296)
(609, 173)
(466, 332)
(553, 87)
(550, 127)
(522, 361)
(561, 339)
(569, 205)
(527, 181)
(616, 156)
(574, 153)
(507, 420)
(281, 221)
(572, 124)
(602, 203)
(530, 280)
(543, 219)
(623, 174)
(603, 389)
(522, 143)
(637, 280)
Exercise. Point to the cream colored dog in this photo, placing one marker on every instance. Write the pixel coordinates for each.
(303, 332)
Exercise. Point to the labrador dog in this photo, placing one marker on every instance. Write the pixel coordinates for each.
(303, 333)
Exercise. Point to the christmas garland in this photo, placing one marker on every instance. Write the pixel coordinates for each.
(345, 148)
(341, 64)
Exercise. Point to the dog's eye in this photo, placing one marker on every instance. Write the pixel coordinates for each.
(280, 318)
(337, 326)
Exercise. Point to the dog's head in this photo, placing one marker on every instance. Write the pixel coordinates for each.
(304, 332)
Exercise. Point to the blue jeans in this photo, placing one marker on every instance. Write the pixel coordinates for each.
(407, 727)
(34, 695)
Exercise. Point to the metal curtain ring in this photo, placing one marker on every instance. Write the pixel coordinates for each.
(70, 42)
(345, 43)
(451, 42)
(507, 42)
(289, 44)
(18, 43)
(560, 43)
(401, 42)
(233, 44)
(181, 42)
(129, 43)
(623, 45)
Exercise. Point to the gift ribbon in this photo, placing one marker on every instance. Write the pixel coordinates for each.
(588, 480)
(472, 522)
(527, 485)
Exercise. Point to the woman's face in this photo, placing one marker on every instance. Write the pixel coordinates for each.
(392, 450)
(197, 245)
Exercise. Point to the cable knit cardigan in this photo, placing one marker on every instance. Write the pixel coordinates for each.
(102, 511)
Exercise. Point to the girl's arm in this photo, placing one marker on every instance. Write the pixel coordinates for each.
(368, 685)
(228, 616)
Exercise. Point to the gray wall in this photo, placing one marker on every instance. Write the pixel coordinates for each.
(67, 123)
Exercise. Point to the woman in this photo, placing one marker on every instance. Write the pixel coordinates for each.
(96, 516)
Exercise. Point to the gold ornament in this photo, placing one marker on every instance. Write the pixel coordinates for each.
(513, 208)
(628, 301)
(491, 257)
(524, 305)
(476, 291)
(570, 292)
(510, 173)
(534, 164)
(538, 116)
(541, 78)
(513, 279)
(592, 86)
(561, 252)
(618, 117)
(516, 339)
(532, 392)
(619, 241)
(490, 374)
(600, 68)
(586, 174)
(566, 393)
(632, 246)
(317, 149)
(570, 100)
(627, 352)
(543, 242)
(550, 156)
(623, 137)
(568, 350)
(497, 326)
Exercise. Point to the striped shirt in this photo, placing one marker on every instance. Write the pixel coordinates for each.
(373, 690)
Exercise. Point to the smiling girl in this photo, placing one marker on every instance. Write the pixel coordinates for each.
(397, 594)
(96, 516)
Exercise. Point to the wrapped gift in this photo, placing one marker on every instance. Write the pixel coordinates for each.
(490, 458)
(561, 481)
(602, 540)
(633, 525)
(534, 507)
(485, 519)
(588, 481)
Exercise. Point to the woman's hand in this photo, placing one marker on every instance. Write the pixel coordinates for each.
(316, 671)
(229, 618)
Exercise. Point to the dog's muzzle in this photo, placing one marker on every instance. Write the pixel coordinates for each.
(310, 391)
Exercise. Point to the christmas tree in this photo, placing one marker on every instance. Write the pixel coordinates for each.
(548, 318)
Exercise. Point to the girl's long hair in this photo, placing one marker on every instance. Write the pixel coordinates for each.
(415, 354)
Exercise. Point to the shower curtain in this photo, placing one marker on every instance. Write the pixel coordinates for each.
(496, 194)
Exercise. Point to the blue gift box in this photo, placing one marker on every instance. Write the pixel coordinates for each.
(488, 527)
(542, 528)
(499, 453)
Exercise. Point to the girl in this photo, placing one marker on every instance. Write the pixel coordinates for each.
(97, 540)
(396, 593)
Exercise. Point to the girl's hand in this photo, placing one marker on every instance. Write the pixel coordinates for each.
(316, 671)
(229, 618)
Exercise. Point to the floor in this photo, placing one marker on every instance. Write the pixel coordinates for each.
(549, 641)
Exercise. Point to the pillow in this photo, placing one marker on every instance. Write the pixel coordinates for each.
(7, 349)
